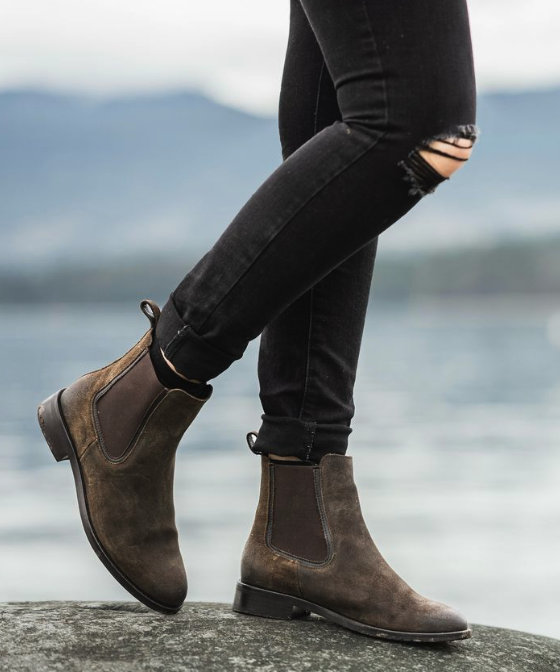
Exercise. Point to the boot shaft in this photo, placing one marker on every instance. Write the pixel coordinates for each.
(111, 406)
(304, 512)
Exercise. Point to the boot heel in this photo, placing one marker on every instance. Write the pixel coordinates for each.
(53, 427)
(259, 602)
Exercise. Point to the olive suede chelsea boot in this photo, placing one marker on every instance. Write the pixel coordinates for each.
(310, 551)
(120, 427)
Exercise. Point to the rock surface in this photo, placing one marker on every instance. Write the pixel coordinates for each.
(122, 636)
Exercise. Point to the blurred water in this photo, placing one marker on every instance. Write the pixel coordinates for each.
(455, 445)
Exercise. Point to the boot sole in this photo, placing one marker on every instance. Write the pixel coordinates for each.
(57, 436)
(269, 604)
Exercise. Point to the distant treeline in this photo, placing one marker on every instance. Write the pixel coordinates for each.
(519, 267)
(515, 267)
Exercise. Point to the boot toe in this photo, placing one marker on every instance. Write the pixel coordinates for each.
(170, 595)
(155, 575)
(446, 619)
(168, 590)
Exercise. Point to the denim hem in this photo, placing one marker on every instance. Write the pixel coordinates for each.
(189, 353)
(306, 439)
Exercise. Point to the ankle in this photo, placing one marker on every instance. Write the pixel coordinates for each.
(170, 378)
(284, 458)
(191, 380)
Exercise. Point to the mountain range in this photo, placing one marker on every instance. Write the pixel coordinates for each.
(87, 180)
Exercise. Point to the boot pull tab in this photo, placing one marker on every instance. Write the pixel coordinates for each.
(251, 442)
(154, 313)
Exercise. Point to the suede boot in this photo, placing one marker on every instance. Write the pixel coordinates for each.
(310, 551)
(120, 427)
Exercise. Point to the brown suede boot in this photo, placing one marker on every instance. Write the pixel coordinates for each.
(120, 428)
(310, 551)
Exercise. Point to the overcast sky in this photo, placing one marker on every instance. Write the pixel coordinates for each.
(232, 50)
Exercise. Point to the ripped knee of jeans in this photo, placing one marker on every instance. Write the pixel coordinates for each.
(435, 159)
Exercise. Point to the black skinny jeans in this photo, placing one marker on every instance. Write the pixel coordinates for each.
(366, 84)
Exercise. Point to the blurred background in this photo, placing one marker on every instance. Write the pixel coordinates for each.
(159, 120)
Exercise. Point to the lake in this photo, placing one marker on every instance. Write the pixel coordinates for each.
(456, 447)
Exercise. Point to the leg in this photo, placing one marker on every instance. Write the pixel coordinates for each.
(309, 549)
(309, 353)
(344, 186)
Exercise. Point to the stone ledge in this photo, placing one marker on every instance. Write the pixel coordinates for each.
(122, 636)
